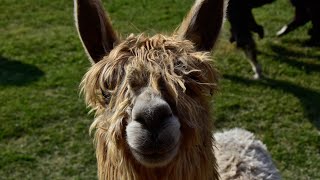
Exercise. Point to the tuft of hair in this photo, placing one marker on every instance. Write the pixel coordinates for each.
(241, 156)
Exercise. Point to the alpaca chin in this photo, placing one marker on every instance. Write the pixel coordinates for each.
(156, 159)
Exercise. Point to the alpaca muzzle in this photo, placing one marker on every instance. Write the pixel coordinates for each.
(153, 134)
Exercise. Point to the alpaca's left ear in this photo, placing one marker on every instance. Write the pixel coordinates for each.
(94, 28)
(203, 23)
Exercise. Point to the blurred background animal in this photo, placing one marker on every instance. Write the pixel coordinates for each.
(305, 11)
(242, 22)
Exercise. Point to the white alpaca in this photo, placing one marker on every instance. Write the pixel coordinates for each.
(241, 156)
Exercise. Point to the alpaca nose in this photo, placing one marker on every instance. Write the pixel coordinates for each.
(151, 112)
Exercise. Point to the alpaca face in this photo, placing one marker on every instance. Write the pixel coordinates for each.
(150, 91)
(150, 94)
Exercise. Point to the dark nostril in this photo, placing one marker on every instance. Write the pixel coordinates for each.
(163, 111)
(141, 120)
(166, 116)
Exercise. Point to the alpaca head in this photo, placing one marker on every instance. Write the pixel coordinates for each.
(150, 94)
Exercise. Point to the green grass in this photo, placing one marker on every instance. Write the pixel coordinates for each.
(44, 123)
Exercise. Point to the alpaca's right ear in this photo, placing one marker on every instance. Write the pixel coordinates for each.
(203, 23)
(94, 28)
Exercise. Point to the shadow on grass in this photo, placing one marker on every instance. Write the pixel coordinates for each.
(15, 73)
(310, 99)
(308, 63)
(301, 42)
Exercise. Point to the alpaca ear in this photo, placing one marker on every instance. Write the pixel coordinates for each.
(203, 23)
(94, 28)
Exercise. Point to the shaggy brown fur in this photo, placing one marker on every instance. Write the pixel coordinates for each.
(178, 72)
(176, 68)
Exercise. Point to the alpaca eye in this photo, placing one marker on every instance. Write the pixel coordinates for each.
(135, 85)
(106, 96)
(195, 76)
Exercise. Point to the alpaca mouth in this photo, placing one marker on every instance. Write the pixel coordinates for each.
(156, 158)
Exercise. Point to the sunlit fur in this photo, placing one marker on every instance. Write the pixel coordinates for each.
(183, 76)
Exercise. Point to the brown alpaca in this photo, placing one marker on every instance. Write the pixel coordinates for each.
(151, 95)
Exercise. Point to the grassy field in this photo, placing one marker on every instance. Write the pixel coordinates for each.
(44, 123)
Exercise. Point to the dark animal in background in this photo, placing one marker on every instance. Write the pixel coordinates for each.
(242, 23)
(305, 11)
